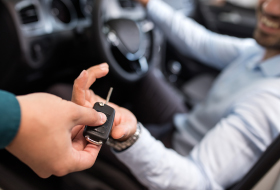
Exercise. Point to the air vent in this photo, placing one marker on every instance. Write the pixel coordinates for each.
(61, 11)
(28, 14)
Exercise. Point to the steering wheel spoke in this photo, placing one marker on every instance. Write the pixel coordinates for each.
(147, 26)
(143, 64)
(126, 36)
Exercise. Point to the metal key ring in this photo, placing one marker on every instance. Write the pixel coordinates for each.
(92, 141)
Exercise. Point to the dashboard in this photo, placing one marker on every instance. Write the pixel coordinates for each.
(41, 25)
(38, 22)
(60, 33)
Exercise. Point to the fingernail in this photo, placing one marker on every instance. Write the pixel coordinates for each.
(103, 117)
(122, 136)
(82, 74)
(103, 66)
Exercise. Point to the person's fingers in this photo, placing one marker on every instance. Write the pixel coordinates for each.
(79, 94)
(86, 158)
(125, 123)
(88, 95)
(81, 85)
(123, 131)
(92, 97)
(95, 98)
(87, 116)
(88, 104)
(95, 72)
(43, 174)
(79, 143)
(75, 131)
(115, 106)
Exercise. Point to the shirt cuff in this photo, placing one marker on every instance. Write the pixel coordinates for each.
(140, 142)
(9, 118)
(143, 155)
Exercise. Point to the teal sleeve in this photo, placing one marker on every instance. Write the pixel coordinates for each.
(9, 118)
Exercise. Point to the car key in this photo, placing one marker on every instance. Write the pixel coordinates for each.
(99, 135)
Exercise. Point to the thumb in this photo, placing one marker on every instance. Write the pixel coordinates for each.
(123, 131)
(89, 116)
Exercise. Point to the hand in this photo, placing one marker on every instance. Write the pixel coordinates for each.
(44, 141)
(143, 2)
(125, 123)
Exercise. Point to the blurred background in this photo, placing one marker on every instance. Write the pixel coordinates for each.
(45, 44)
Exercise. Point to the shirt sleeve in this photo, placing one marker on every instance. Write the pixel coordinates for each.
(192, 39)
(223, 157)
(9, 118)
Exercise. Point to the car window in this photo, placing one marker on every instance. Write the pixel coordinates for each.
(250, 4)
(245, 4)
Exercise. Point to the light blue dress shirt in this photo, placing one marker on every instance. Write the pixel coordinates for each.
(230, 129)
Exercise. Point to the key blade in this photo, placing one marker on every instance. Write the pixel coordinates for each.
(109, 95)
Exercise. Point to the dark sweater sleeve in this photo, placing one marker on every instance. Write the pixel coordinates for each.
(9, 118)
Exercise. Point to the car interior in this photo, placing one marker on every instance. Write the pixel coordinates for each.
(45, 44)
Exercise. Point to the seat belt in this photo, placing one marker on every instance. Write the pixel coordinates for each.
(268, 159)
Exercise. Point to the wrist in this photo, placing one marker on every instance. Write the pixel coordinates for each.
(144, 2)
(123, 145)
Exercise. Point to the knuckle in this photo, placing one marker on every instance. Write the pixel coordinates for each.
(60, 170)
(75, 113)
(43, 175)
(76, 81)
(75, 85)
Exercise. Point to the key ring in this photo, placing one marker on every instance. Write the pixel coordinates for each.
(92, 141)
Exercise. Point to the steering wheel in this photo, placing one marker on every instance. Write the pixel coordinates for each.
(124, 38)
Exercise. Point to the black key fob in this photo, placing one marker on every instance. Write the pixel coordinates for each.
(98, 135)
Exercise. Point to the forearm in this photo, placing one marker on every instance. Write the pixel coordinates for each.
(194, 40)
(9, 118)
(223, 156)
(161, 168)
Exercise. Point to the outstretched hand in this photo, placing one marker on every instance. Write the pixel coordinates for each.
(125, 123)
(50, 137)
(46, 141)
